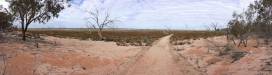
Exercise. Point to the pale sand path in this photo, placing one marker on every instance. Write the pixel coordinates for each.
(160, 60)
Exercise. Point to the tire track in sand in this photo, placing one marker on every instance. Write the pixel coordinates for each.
(158, 60)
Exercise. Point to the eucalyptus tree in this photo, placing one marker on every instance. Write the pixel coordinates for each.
(256, 20)
(40, 11)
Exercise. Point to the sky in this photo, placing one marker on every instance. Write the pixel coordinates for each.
(150, 14)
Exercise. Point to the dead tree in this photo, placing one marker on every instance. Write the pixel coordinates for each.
(214, 26)
(98, 20)
(208, 28)
(168, 30)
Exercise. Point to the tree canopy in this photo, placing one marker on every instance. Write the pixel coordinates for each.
(6, 21)
(41, 11)
(257, 19)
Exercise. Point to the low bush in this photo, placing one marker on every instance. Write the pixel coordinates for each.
(237, 55)
(128, 37)
(234, 53)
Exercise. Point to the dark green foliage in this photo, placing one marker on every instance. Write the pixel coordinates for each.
(29, 11)
(6, 21)
(263, 20)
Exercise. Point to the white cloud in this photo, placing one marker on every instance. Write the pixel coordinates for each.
(156, 13)
(4, 3)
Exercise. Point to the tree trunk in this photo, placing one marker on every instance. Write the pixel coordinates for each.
(24, 35)
(23, 30)
(100, 35)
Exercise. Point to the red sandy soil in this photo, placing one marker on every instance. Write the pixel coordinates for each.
(82, 57)
(69, 57)
(253, 63)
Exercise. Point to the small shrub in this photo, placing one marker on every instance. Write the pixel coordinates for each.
(226, 50)
(237, 55)
(181, 43)
(121, 43)
(234, 53)
(147, 41)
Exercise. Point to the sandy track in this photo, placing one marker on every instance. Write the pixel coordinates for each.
(159, 60)
(74, 57)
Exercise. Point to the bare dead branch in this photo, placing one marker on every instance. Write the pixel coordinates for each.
(98, 20)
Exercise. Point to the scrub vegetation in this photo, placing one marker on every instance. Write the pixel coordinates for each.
(128, 37)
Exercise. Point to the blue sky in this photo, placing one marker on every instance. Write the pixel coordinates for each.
(151, 14)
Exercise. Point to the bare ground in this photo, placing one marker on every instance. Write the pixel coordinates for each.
(160, 60)
(203, 54)
(65, 56)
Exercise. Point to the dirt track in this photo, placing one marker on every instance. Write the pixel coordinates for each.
(81, 57)
(159, 60)
(75, 57)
